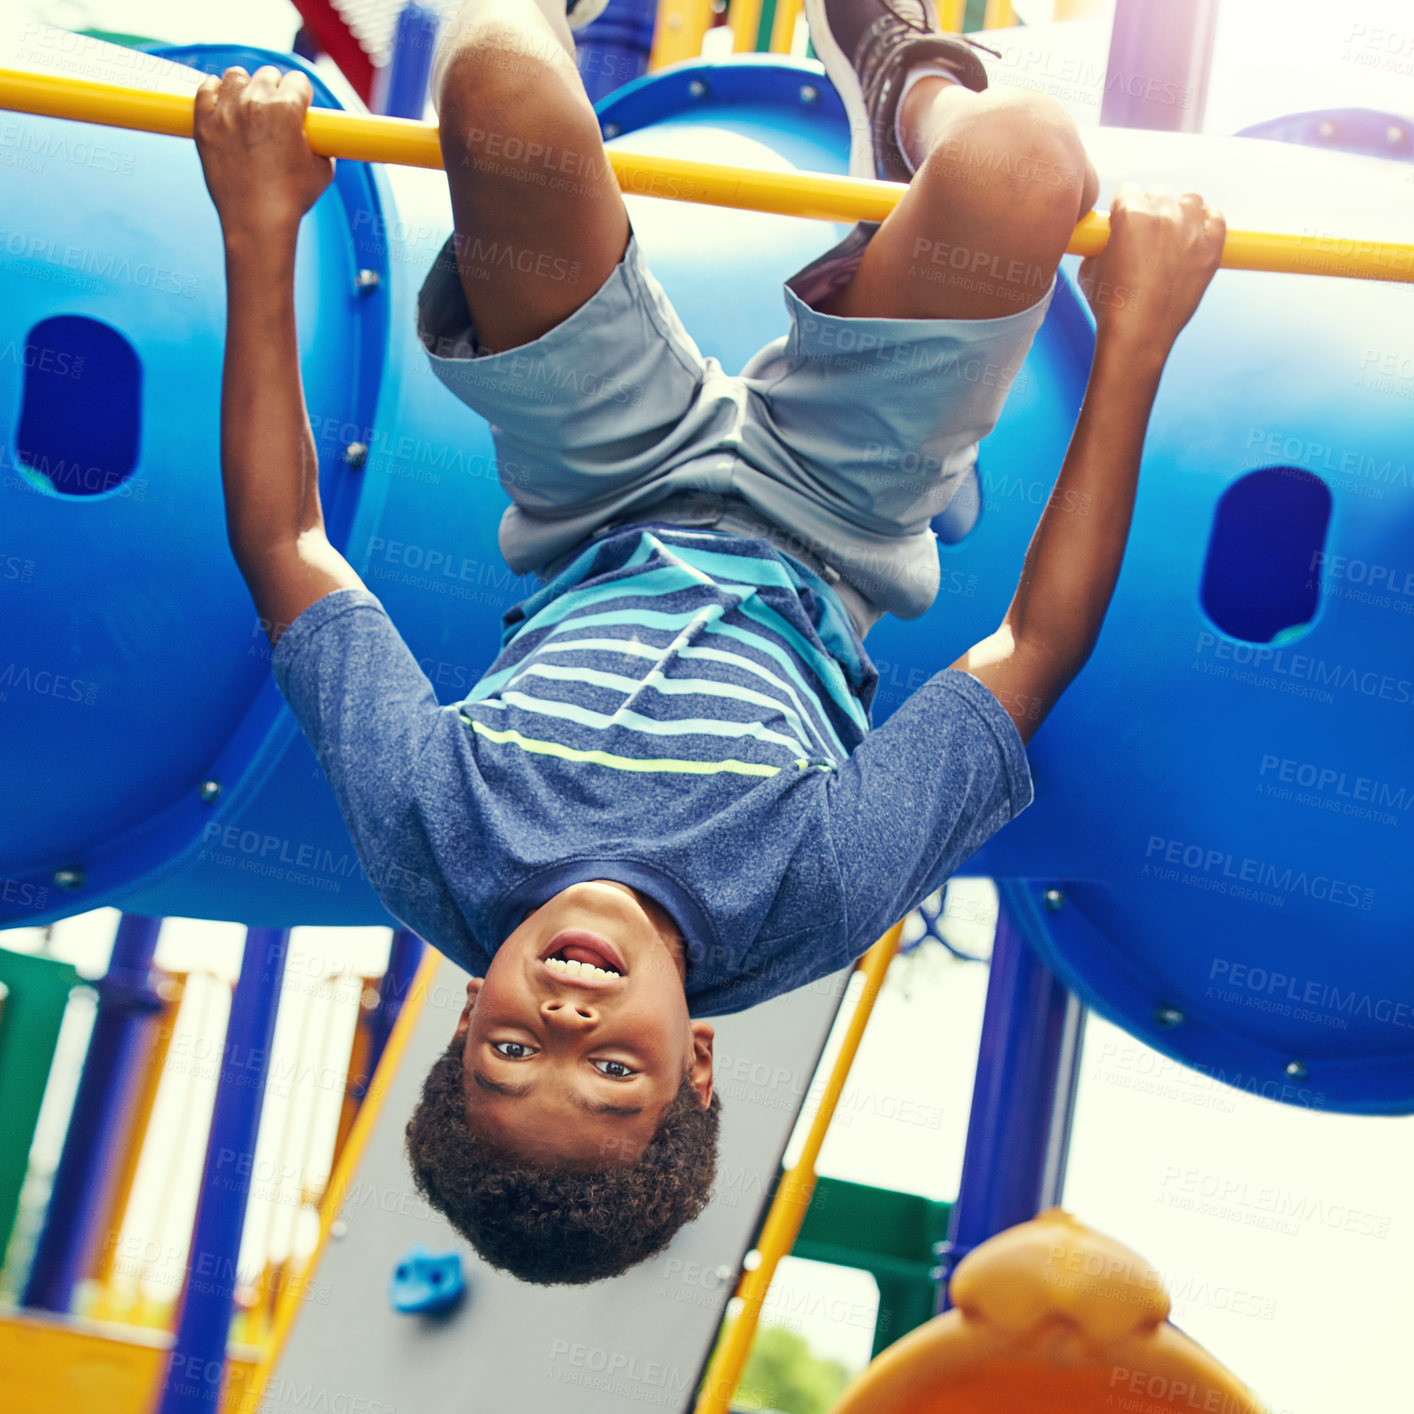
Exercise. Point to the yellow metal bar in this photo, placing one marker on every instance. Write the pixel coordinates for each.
(951, 14)
(361, 137)
(126, 1300)
(792, 1198)
(744, 17)
(292, 1292)
(998, 15)
(809, 194)
(160, 1031)
(357, 1076)
(783, 25)
(813, 195)
(678, 32)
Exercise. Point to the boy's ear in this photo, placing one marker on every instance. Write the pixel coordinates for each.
(473, 990)
(700, 1073)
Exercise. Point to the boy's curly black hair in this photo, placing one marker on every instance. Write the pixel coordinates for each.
(552, 1225)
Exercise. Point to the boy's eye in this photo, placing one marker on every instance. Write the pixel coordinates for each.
(615, 1070)
(512, 1050)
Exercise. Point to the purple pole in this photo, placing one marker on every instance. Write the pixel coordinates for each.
(614, 48)
(198, 1361)
(125, 1001)
(1023, 1098)
(401, 90)
(1160, 55)
(305, 45)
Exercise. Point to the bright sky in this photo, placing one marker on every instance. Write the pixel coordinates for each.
(1313, 1312)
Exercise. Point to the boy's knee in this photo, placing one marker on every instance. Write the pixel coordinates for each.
(1029, 121)
(504, 110)
(1024, 142)
(497, 72)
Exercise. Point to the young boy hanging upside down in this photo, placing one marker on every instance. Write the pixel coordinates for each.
(664, 801)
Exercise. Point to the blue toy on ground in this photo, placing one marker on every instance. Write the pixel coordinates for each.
(425, 1283)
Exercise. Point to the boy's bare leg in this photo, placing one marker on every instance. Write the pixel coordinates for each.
(540, 223)
(1000, 180)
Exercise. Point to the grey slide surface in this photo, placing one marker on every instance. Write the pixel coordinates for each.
(638, 1341)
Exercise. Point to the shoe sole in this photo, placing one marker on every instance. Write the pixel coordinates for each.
(863, 161)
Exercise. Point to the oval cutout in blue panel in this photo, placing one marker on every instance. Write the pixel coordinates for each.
(80, 414)
(1262, 577)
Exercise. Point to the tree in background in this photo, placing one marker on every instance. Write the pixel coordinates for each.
(785, 1376)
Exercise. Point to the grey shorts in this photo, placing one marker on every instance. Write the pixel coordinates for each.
(840, 441)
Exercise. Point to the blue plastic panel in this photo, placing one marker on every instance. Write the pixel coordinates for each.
(133, 668)
(1366, 131)
(1225, 818)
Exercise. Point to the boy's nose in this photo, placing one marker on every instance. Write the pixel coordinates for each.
(577, 1015)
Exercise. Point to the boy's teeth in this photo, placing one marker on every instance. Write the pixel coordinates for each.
(578, 969)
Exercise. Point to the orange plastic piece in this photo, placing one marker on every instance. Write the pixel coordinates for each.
(1050, 1317)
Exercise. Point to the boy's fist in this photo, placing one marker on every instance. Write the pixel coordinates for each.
(259, 169)
(1161, 255)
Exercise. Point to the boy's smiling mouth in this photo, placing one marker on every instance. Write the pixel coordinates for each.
(582, 957)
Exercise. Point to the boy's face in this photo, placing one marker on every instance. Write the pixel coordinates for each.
(563, 1065)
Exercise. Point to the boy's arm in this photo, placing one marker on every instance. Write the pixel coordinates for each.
(263, 177)
(1144, 286)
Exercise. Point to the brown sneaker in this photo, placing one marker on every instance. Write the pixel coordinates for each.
(868, 48)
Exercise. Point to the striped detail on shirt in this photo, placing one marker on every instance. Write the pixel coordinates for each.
(657, 764)
(673, 658)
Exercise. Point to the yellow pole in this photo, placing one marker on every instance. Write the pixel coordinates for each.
(678, 31)
(744, 17)
(792, 1199)
(783, 25)
(362, 137)
(158, 1043)
(356, 1077)
(951, 14)
(368, 138)
(998, 15)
